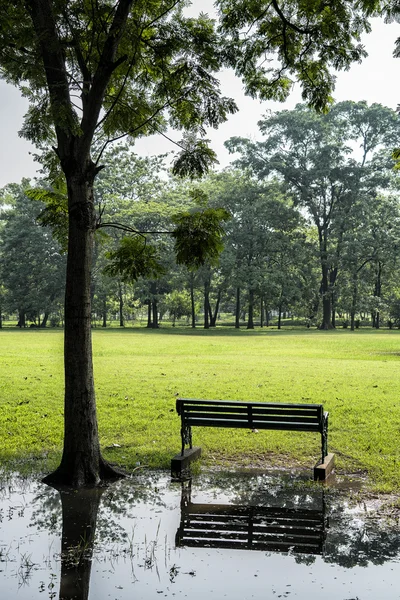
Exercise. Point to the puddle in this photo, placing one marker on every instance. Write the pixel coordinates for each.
(236, 536)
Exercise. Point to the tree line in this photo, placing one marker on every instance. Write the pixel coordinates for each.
(313, 231)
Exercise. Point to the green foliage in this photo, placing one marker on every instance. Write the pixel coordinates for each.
(134, 258)
(199, 236)
(55, 212)
(311, 154)
(149, 68)
(178, 304)
(31, 264)
(195, 159)
(273, 45)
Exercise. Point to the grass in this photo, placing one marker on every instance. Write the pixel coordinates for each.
(140, 372)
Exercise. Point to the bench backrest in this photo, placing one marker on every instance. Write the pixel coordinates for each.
(253, 415)
(252, 527)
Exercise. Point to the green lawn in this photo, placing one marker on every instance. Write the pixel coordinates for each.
(140, 372)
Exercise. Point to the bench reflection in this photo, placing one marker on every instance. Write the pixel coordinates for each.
(272, 528)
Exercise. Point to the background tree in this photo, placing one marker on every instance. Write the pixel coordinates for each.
(32, 267)
(312, 155)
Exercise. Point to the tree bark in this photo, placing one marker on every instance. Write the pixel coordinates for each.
(354, 297)
(155, 314)
(81, 463)
(333, 309)
(104, 324)
(377, 294)
(326, 300)
(207, 304)
(237, 309)
(213, 318)
(121, 305)
(43, 323)
(149, 315)
(250, 321)
(192, 303)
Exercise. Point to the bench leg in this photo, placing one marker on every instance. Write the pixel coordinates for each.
(186, 437)
(324, 438)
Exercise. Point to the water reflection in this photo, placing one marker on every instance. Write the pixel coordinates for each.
(79, 520)
(147, 536)
(278, 528)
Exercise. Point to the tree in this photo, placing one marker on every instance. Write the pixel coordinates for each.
(32, 267)
(96, 72)
(262, 221)
(311, 153)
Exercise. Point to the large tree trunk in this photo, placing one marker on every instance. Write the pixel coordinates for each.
(377, 294)
(213, 318)
(149, 315)
(280, 316)
(237, 309)
(21, 319)
(121, 305)
(43, 324)
(326, 300)
(250, 321)
(192, 303)
(81, 463)
(206, 304)
(155, 314)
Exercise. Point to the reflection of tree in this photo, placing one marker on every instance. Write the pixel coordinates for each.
(359, 541)
(79, 514)
(89, 515)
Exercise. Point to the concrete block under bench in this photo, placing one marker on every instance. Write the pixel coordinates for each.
(323, 470)
(181, 462)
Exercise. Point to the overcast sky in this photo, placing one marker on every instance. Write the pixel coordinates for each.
(375, 80)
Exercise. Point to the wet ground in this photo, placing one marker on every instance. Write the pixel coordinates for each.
(220, 535)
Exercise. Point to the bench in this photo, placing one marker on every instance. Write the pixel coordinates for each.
(267, 528)
(251, 415)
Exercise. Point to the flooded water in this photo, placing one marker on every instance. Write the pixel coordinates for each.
(236, 536)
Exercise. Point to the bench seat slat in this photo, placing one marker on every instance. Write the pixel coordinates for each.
(217, 511)
(218, 417)
(256, 424)
(189, 409)
(293, 528)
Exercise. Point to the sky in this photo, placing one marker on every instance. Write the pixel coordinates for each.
(374, 80)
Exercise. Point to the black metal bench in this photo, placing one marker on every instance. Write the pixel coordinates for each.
(251, 415)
